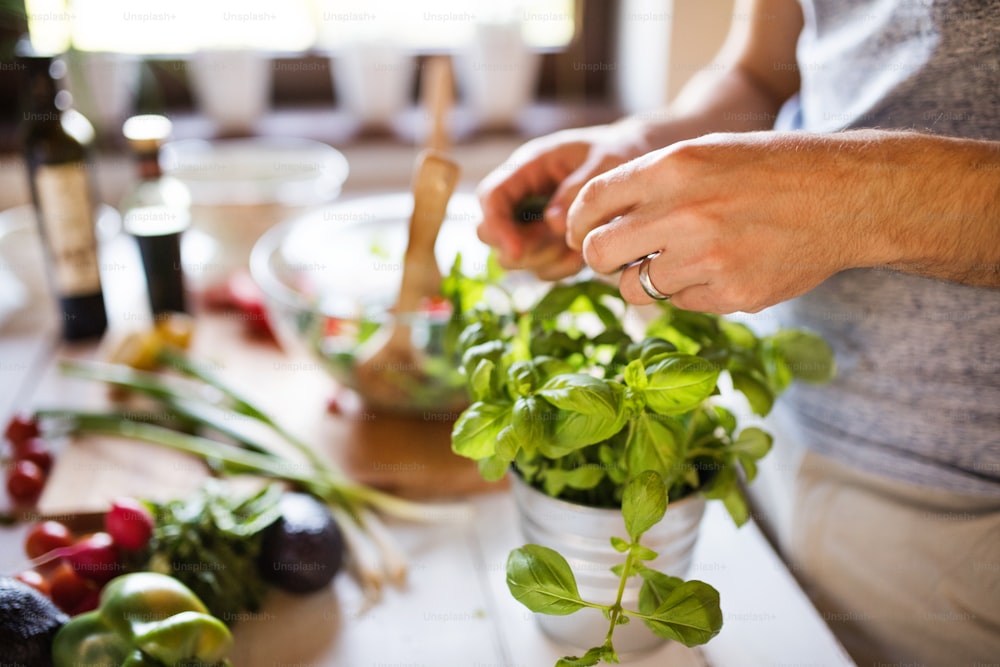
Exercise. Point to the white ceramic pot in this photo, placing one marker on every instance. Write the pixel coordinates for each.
(582, 535)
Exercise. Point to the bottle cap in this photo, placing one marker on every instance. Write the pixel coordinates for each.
(146, 133)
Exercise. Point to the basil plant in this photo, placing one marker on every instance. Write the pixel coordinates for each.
(566, 395)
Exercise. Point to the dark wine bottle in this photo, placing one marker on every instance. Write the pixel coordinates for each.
(156, 212)
(56, 149)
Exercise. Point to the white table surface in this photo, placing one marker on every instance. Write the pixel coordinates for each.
(456, 610)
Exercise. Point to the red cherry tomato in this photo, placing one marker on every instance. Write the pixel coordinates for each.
(35, 450)
(46, 536)
(249, 301)
(21, 427)
(25, 481)
(68, 587)
(34, 579)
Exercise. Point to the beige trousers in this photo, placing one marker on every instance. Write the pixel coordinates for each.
(904, 576)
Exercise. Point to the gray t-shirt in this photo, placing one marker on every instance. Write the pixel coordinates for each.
(918, 392)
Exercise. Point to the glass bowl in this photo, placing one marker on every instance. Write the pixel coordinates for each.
(330, 279)
(240, 188)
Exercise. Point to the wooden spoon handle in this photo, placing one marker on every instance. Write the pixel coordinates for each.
(433, 184)
(437, 97)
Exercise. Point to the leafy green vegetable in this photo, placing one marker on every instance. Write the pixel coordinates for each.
(581, 410)
(541, 580)
(564, 394)
(210, 542)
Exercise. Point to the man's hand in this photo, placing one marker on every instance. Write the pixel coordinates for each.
(744, 221)
(557, 165)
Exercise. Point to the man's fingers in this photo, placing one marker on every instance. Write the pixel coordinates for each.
(602, 199)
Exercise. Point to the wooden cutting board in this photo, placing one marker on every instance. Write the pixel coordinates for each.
(407, 456)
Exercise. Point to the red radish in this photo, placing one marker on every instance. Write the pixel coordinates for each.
(25, 481)
(95, 557)
(20, 428)
(129, 523)
(46, 536)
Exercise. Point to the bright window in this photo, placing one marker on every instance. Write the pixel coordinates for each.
(184, 26)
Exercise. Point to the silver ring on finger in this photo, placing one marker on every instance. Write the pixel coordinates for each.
(646, 283)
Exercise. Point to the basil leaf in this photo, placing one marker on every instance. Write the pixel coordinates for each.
(589, 410)
(481, 381)
(807, 356)
(757, 392)
(643, 503)
(643, 553)
(653, 445)
(492, 350)
(678, 383)
(557, 300)
(750, 446)
(738, 334)
(590, 658)
(689, 614)
(477, 429)
(530, 418)
(583, 478)
(651, 350)
(656, 588)
(541, 580)
(579, 392)
(635, 375)
(508, 444)
(619, 545)
(725, 419)
(725, 486)
(493, 468)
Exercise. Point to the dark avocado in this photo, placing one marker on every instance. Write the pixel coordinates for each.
(303, 550)
(28, 621)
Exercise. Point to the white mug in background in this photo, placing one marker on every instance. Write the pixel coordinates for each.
(232, 87)
(373, 79)
(497, 72)
(104, 86)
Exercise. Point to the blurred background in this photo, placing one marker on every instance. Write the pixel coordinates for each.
(347, 72)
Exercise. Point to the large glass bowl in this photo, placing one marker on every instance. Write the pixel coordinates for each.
(330, 279)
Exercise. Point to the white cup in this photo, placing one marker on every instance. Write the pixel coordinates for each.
(232, 87)
(373, 80)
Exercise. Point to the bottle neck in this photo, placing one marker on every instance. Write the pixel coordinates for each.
(148, 166)
(40, 99)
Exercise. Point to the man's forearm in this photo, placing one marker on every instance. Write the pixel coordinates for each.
(733, 103)
(940, 200)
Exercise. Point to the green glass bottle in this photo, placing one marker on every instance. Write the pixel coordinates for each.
(56, 141)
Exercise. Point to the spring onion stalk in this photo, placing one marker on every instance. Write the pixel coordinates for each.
(202, 399)
(393, 561)
(364, 562)
(182, 364)
(196, 406)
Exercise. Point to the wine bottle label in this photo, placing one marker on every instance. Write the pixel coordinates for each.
(66, 214)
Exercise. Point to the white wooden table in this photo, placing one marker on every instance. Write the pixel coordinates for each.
(456, 610)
